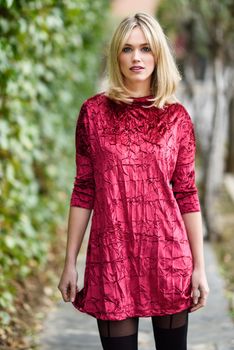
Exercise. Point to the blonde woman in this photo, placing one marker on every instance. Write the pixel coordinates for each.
(135, 157)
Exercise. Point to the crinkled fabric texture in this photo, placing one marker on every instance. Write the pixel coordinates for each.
(135, 169)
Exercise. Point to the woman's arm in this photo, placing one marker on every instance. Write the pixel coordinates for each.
(77, 224)
(186, 194)
(200, 289)
(193, 225)
(81, 205)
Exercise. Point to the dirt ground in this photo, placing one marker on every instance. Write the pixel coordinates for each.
(36, 295)
(224, 247)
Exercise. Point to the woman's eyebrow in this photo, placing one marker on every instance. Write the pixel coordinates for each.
(132, 45)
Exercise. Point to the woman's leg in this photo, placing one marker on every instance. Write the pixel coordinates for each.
(170, 331)
(119, 335)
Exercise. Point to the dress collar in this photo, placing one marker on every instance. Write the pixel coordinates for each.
(142, 99)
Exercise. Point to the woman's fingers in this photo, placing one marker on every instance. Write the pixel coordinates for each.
(199, 298)
(68, 291)
(201, 303)
(68, 284)
(195, 294)
(73, 292)
(65, 290)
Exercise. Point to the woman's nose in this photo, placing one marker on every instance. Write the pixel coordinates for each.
(136, 56)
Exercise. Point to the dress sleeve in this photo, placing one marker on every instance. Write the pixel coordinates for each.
(183, 178)
(84, 185)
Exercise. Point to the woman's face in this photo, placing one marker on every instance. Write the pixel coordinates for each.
(136, 60)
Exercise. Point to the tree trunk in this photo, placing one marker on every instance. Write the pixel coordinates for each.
(215, 156)
(230, 150)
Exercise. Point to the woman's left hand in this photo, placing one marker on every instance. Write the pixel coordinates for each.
(200, 289)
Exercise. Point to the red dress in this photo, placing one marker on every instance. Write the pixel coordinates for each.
(135, 169)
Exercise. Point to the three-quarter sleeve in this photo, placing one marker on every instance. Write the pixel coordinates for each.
(84, 186)
(183, 178)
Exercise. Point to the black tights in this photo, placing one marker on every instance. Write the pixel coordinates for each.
(170, 332)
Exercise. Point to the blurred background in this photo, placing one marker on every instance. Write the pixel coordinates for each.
(53, 57)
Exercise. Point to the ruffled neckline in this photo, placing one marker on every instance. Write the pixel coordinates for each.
(142, 99)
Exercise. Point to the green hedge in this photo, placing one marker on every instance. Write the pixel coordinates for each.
(50, 55)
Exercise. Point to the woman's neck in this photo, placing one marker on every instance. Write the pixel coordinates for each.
(138, 90)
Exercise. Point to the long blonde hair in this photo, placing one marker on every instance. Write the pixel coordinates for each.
(165, 76)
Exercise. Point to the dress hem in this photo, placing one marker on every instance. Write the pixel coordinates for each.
(102, 316)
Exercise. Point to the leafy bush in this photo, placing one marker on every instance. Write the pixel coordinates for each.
(50, 56)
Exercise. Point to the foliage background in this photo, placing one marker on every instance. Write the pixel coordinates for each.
(50, 62)
(51, 55)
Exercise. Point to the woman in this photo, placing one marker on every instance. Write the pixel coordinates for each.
(135, 154)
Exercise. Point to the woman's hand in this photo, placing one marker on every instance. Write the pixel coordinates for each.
(68, 283)
(200, 289)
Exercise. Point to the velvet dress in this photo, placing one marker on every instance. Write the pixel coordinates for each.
(135, 167)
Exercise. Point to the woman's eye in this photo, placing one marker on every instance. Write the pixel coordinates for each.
(126, 49)
(146, 49)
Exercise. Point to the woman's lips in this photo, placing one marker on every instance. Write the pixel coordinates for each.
(136, 69)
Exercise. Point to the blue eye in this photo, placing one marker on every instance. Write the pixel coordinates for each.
(126, 49)
(146, 49)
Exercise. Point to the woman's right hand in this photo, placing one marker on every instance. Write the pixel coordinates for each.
(68, 283)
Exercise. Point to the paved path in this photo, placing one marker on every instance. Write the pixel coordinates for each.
(210, 328)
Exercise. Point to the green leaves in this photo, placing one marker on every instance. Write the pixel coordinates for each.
(7, 3)
(49, 62)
